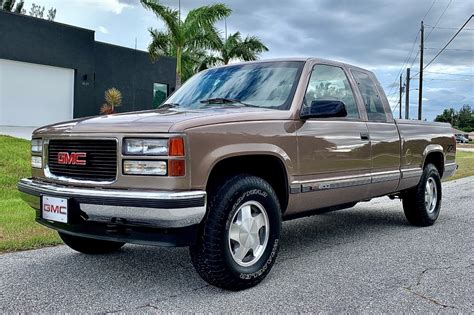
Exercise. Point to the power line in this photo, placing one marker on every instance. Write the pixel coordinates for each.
(407, 59)
(439, 19)
(413, 61)
(442, 79)
(458, 74)
(448, 28)
(452, 49)
(452, 38)
(395, 108)
(405, 62)
(432, 4)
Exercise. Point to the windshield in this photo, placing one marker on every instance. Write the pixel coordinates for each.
(266, 85)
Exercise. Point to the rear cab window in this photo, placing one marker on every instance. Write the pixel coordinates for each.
(371, 97)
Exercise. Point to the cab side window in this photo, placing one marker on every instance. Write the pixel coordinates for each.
(370, 95)
(330, 83)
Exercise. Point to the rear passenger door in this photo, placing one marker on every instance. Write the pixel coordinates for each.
(384, 136)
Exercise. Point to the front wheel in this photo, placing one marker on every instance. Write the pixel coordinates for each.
(240, 234)
(89, 245)
(422, 203)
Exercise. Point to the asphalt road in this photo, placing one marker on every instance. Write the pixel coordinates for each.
(357, 260)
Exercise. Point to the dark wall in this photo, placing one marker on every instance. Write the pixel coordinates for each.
(131, 72)
(97, 66)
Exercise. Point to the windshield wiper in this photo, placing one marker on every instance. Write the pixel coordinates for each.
(225, 100)
(168, 105)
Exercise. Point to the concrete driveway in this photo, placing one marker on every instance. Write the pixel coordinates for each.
(17, 132)
(365, 259)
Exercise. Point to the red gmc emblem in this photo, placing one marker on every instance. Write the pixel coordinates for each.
(73, 158)
(54, 209)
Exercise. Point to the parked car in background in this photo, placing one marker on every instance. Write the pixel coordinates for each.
(232, 153)
(461, 139)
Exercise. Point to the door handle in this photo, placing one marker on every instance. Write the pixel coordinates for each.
(364, 136)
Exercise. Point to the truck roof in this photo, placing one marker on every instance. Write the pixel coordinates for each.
(301, 59)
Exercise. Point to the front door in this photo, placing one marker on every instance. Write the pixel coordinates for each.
(334, 153)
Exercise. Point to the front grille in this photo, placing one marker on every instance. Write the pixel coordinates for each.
(100, 160)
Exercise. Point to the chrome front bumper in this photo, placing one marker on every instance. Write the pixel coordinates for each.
(157, 209)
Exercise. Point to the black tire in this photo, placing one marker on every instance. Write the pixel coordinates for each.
(416, 211)
(212, 256)
(89, 245)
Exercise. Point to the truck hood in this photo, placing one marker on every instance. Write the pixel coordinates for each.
(158, 121)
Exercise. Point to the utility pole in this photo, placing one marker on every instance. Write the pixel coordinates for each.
(400, 98)
(420, 85)
(407, 95)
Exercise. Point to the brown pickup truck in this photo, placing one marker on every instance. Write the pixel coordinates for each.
(232, 153)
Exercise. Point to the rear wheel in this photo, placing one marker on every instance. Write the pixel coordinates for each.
(422, 203)
(89, 245)
(239, 237)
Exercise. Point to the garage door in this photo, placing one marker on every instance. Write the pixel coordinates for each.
(34, 95)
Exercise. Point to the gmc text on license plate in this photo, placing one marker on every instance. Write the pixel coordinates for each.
(54, 209)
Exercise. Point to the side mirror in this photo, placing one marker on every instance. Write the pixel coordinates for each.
(325, 109)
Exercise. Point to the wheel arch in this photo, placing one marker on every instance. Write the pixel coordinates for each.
(434, 154)
(267, 165)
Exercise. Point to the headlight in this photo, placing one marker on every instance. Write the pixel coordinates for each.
(145, 147)
(37, 145)
(36, 162)
(131, 167)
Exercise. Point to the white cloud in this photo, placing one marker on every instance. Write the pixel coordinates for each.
(103, 30)
(114, 6)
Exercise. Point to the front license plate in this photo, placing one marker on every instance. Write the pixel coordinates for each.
(54, 209)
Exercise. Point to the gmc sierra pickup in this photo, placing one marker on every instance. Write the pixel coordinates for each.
(232, 153)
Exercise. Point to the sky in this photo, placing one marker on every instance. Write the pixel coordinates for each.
(374, 34)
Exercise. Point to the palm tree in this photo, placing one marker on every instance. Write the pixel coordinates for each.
(197, 31)
(9, 5)
(234, 47)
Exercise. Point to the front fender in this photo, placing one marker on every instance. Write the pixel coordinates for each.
(247, 149)
(211, 145)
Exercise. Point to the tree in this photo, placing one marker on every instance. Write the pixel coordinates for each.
(51, 14)
(234, 47)
(19, 7)
(193, 59)
(465, 117)
(462, 119)
(8, 5)
(197, 31)
(36, 11)
(449, 116)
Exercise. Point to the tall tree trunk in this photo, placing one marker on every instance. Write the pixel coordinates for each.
(178, 67)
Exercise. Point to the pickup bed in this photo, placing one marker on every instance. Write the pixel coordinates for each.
(229, 156)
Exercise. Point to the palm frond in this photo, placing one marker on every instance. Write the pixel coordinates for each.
(205, 16)
(169, 16)
(161, 44)
(8, 5)
(236, 48)
(19, 7)
(202, 20)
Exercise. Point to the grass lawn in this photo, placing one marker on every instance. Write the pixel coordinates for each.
(465, 160)
(18, 229)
